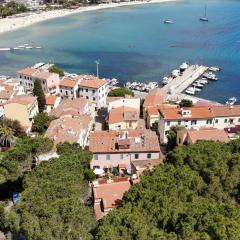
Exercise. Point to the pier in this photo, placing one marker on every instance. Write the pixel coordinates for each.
(179, 84)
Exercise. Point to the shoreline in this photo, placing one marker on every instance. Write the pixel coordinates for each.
(15, 23)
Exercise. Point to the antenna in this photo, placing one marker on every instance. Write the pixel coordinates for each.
(97, 63)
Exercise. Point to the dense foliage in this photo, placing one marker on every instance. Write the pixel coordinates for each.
(55, 201)
(195, 195)
(172, 136)
(38, 92)
(186, 103)
(120, 92)
(11, 8)
(41, 122)
(55, 69)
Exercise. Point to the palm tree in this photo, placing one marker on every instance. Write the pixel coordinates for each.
(7, 137)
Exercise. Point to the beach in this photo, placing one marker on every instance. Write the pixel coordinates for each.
(16, 22)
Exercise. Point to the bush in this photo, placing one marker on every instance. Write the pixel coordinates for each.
(55, 69)
(186, 103)
(120, 92)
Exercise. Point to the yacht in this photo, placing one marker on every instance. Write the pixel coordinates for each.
(202, 81)
(5, 49)
(167, 21)
(197, 84)
(28, 47)
(175, 73)
(183, 67)
(231, 101)
(204, 19)
(190, 91)
(38, 47)
(214, 69)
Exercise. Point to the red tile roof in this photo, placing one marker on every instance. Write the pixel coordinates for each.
(50, 100)
(27, 71)
(66, 82)
(92, 82)
(154, 97)
(22, 99)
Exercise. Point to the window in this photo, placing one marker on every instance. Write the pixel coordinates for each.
(93, 91)
(168, 123)
(20, 76)
(86, 90)
(166, 132)
(149, 156)
(71, 92)
(107, 156)
(94, 98)
(179, 122)
(225, 120)
(209, 121)
(239, 120)
(66, 92)
(231, 121)
(136, 156)
(86, 97)
(121, 156)
(95, 157)
(194, 122)
(216, 121)
(61, 90)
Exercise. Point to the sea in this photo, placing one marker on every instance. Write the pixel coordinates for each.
(133, 44)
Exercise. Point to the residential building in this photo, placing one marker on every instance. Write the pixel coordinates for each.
(68, 88)
(51, 102)
(120, 148)
(31, 4)
(93, 89)
(191, 136)
(123, 118)
(22, 108)
(72, 130)
(219, 117)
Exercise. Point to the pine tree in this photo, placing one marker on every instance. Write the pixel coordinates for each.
(38, 92)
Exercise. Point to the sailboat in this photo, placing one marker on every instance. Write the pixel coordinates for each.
(204, 19)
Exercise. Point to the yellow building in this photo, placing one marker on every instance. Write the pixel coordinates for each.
(22, 108)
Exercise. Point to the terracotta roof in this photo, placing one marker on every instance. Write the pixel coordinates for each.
(153, 111)
(111, 194)
(27, 71)
(208, 134)
(6, 94)
(112, 99)
(92, 83)
(122, 114)
(76, 105)
(154, 97)
(66, 82)
(22, 99)
(50, 100)
(201, 112)
(107, 141)
(42, 74)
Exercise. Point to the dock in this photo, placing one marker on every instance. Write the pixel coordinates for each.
(179, 84)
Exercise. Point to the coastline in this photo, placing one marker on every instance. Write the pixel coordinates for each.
(15, 23)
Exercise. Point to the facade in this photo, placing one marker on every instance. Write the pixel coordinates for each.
(68, 88)
(93, 89)
(22, 108)
(51, 102)
(119, 148)
(127, 101)
(218, 117)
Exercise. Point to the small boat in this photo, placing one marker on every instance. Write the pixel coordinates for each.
(167, 21)
(21, 46)
(197, 84)
(204, 19)
(165, 81)
(214, 69)
(28, 47)
(231, 101)
(202, 81)
(183, 67)
(175, 73)
(38, 47)
(5, 49)
(190, 91)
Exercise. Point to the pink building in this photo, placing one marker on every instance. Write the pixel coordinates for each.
(122, 149)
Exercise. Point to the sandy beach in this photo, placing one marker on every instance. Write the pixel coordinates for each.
(14, 23)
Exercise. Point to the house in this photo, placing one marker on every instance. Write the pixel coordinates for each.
(93, 89)
(219, 117)
(72, 130)
(128, 101)
(51, 102)
(108, 194)
(68, 88)
(22, 108)
(123, 118)
(192, 136)
(120, 148)
(49, 81)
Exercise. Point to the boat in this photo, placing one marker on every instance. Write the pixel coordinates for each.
(28, 47)
(198, 84)
(167, 21)
(21, 46)
(190, 91)
(231, 101)
(183, 67)
(204, 19)
(202, 81)
(38, 47)
(214, 69)
(175, 73)
(210, 76)
(5, 49)
(165, 81)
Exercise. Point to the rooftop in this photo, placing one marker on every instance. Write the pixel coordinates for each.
(67, 82)
(22, 99)
(91, 82)
(50, 100)
(154, 97)
(27, 71)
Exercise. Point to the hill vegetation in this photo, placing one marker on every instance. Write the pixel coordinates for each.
(11, 8)
(120, 92)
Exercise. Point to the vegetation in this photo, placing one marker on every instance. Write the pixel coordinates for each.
(172, 137)
(41, 122)
(195, 195)
(55, 69)
(12, 8)
(186, 103)
(38, 92)
(55, 201)
(120, 92)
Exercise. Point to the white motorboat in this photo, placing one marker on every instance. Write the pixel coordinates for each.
(38, 47)
(175, 73)
(210, 76)
(5, 49)
(231, 101)
(167, 21)
(202, 81)
(197, 84)
(190, 91)
(183, 67)
(214, 69)
(28, 47)
(21, 46)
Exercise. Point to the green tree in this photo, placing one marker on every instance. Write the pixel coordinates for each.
(120, 92)
(41, 122)
(186, 103)
(6, 136)
(55, 69)
(38, 92)
(172, 136)
(15, 125)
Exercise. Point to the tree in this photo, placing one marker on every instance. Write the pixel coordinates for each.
(41, 122)
(172, 136)
(120, 92)
(55, 69)
(186, 103)
(6, 136)
(15, 125)
(38, 92)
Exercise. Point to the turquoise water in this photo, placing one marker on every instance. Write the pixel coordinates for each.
(132, 43)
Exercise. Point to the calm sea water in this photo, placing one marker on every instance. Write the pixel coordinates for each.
(132, 43)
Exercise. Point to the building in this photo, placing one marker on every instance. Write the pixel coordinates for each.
(93, 89)
(68, 88)
(31, 4)
(108, 194)
(121, 148)
(192, 136)
(51, 102)
(128, 101)
(123, 118)
(72, 130)
(22, 108)
(219, 117)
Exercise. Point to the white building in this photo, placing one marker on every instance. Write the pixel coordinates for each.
(68, 88)
(127, 101)
(219, 117)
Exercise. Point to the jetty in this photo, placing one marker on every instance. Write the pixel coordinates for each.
(180, 83)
